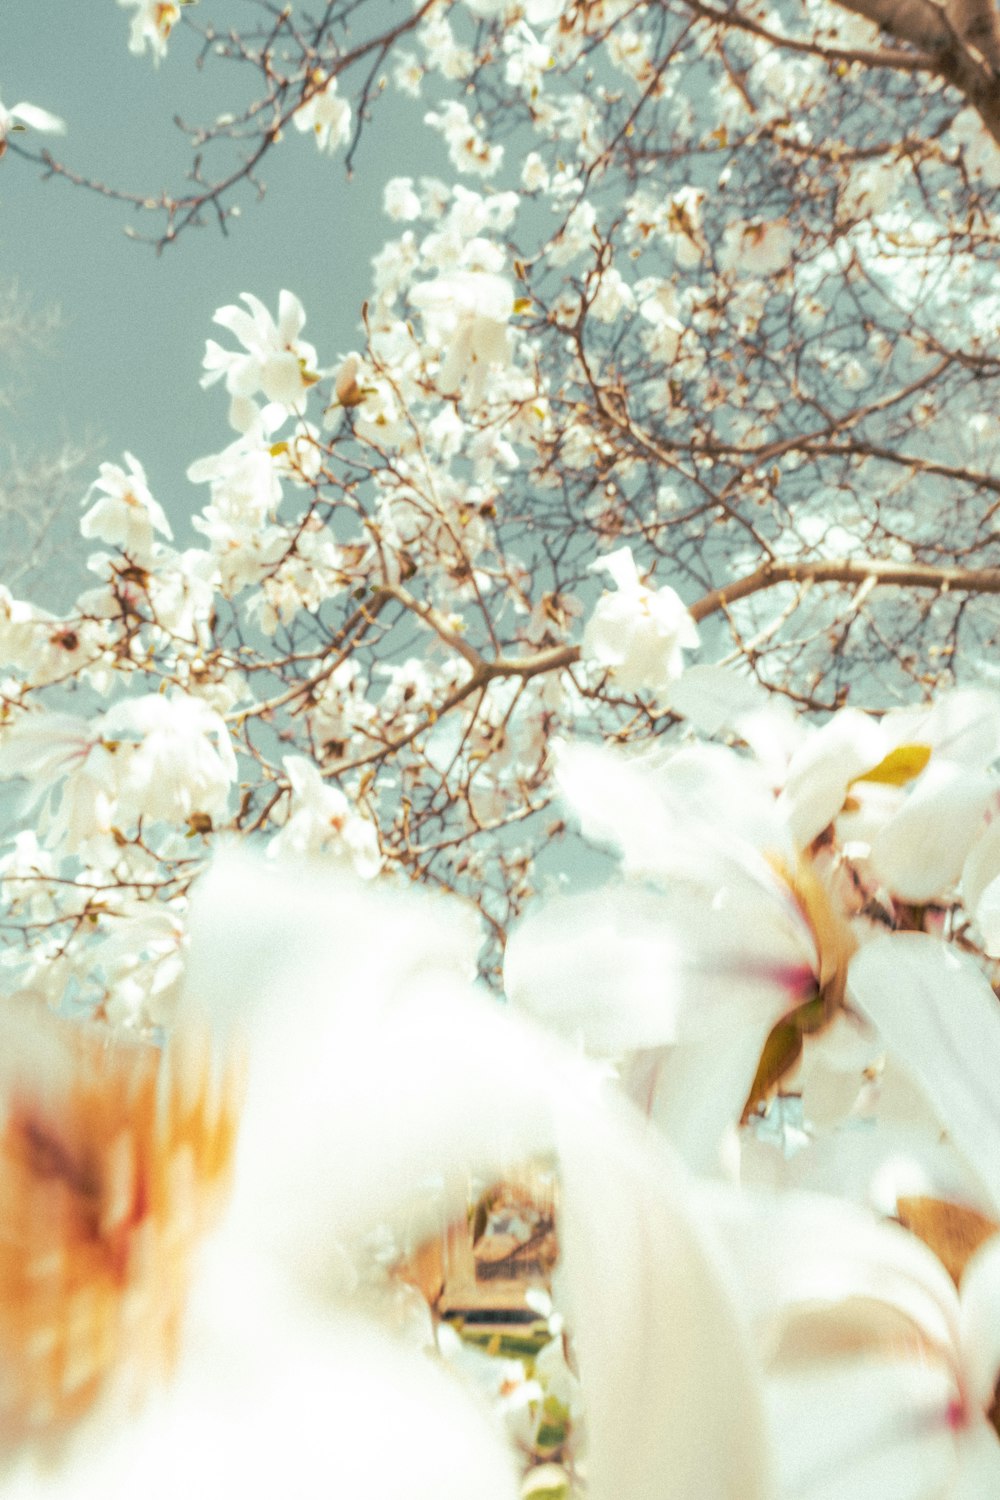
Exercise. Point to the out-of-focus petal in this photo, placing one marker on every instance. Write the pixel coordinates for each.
(980, 1300)
(621, 568)
(674, 1399)
(978, 1464)
(850, 1432)
(822, 768)
(920, 852)
(939, 1017)
(714, 698)
(961, 726)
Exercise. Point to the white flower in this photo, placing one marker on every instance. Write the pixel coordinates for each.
(152, 23)
(399, 199)
(125, 515)
(468, 148)
(180, 761)
(756, 249)
(920, 791)
(276, 361)
(322, 822)
(681, 969)
(639, 634)
(64, 751)
(466, 315)
(327, 116)
(27, 117)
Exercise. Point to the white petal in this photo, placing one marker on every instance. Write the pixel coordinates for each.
(920, 852)
(980, 1298)
(854, 1432)
(821, 770)
(938, 1015)
(674, 1400)
(962, 726)
(978, 1464)
(715, 698)
(620, 565)
(39, 119)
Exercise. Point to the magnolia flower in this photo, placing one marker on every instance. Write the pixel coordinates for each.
(27, 117)
(180, 763)
(913, 788)
(136, 1357)
(125, 515)
(757, 249)
(639, 634)
(879, 1376)
(403, 1077)
(681, 971)
(322, 822)
(64, 753)
(466, 315)
(152, 24)
(276, 362)
(326, 115)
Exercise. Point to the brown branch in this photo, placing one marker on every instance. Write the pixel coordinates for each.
(959, 39)
(876, 574)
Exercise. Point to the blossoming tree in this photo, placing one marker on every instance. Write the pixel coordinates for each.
(657, 497)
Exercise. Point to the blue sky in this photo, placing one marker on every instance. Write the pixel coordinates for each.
(126, 365)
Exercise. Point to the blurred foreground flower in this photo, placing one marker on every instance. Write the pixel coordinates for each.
(377, 1081)
(819, 1356)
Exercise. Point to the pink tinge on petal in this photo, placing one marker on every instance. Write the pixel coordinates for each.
(798, 980)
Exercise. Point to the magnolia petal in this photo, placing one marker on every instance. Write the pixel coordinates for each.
(674, 1400)
(38, 119)
(799, 1254)
(695, 1091)
(291, 317)
(714, 698)
(691, 813)
(980, 891)
(863, 1432)
(600, 968)
(920, 852)
(239, 323)
(938, 1015)
(874, 1165)
(962, 726)
(620, 566)
(980, 1299)
(45, 746)
(348, 1413)
(978, 1464)
(822, 768)
(625, 968)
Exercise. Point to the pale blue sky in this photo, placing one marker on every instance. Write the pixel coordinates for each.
(127, 362)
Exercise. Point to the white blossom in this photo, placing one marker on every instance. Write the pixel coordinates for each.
(466, 315)
(638, 633)
(327, 115)
(151, 25)
(275, 360)
(125, 513)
